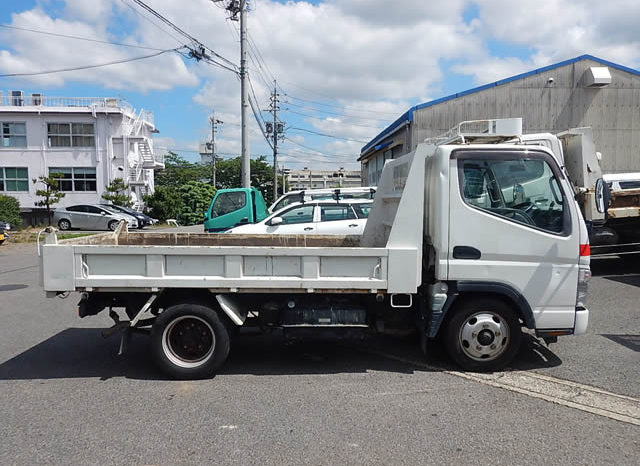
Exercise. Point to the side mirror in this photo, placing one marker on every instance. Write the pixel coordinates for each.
(206, 215)
(276, 221)
(603, 195)
(103, 213)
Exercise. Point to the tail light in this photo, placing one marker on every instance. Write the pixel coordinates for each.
(585, 250)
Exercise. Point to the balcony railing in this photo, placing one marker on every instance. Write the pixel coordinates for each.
(39, 100)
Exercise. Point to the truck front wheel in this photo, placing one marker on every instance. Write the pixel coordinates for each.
(189, 341)
(483, 334)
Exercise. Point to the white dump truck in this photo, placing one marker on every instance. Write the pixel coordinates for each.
(610, 203)
(471, 238)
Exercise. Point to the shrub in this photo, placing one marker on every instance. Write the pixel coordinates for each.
(10, 211)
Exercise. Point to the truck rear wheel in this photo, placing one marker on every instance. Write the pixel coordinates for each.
(483, 334)
(189, 341)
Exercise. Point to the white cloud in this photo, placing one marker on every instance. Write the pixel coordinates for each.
(29, 52)
(372, 59)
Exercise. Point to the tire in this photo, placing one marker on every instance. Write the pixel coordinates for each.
(483, 334)
(64, 224)
(189, 341)
(113, 224)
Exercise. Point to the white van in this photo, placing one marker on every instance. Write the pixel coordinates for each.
(306, 195)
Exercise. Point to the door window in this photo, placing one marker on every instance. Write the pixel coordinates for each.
(330, 213)
(94, 210)
(525, 191)
(301, 214)
(228, 202)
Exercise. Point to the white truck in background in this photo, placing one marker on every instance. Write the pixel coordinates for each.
(470, 238)
(610, 203)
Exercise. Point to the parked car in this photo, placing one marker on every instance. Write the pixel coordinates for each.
(4, 231)
(307, 195)
(143, 220)
(318, 218)
(90, 217)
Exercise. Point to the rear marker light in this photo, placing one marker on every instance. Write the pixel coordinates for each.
(585, 250)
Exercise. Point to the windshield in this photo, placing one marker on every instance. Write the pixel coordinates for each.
(228, 202)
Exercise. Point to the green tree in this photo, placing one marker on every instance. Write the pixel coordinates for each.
(164, 203)
(196, 197)
(51, 193)
(178, 171)
(10, 211)
(229, 175)
(116, 193)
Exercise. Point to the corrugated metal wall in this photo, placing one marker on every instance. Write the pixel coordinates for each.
(612, 111)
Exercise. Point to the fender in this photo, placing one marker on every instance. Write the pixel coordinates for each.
(502, 289)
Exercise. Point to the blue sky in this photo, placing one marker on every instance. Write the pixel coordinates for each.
(346, 68)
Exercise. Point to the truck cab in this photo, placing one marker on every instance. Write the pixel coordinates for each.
(233, 207)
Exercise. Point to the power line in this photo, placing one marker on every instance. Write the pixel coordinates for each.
(324, 119)
(198, 54)
(338, 106)
(153, 23)
(79, 38)
(319, 152)
(304, 107)
(326, 135)
(126, 60)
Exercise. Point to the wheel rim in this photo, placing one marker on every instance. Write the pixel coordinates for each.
(188, 341)
(64, 224)
(484, 336)
(113, 226)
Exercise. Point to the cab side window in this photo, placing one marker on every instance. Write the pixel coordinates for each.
(525, 191)
(301, 214)
(329, 213)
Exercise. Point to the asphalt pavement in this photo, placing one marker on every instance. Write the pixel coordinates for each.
(67, 398)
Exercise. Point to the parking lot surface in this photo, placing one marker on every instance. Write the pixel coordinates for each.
(67, 398)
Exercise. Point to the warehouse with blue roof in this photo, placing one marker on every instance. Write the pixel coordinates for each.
(583, 91)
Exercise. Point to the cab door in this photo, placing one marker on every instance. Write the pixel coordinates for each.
(297, 220)
(513, 221)
(339, 219)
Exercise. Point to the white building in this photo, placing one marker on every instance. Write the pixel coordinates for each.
(89, 141)
(321, 179)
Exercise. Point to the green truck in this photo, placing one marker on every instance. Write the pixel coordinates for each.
(233, 207)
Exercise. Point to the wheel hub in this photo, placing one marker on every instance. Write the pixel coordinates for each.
(484, 336)
(189, 341)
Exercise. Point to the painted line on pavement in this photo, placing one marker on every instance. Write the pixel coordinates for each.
(559, 391)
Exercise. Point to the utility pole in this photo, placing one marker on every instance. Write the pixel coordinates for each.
(239, 8)
(214, 123)
(244, 91)
(276, 129)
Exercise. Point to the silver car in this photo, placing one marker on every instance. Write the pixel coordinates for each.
(89, 217)
(132, 221)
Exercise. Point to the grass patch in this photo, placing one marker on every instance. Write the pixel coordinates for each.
(31, 237)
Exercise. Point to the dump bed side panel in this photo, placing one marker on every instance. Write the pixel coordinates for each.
(221, 267)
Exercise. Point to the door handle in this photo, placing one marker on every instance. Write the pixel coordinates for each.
(466, 252)
(308, 228)
(353, 225)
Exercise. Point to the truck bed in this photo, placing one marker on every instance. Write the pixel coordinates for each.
(219, 262)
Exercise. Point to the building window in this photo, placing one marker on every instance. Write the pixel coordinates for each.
(14, 135)
(71, 135)
(14, 179)
(75, 179)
